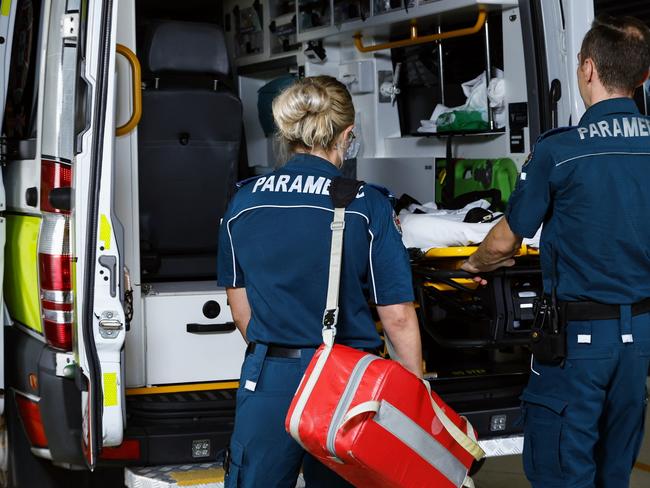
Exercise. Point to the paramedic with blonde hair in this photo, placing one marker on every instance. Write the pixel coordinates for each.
(589, 185)
(274, 251)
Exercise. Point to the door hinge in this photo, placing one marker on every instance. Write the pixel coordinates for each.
(70, 26)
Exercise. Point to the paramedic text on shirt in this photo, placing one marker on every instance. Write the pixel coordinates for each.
(590, 187)
(274, 251)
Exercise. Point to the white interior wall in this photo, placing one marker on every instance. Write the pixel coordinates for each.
(579, 15)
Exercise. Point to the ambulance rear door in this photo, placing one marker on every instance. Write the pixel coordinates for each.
(100, 328)
(553, 32)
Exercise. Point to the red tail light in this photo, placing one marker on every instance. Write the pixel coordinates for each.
(55, 272)
(128, 450)
(53, 175)
(55, 260)
(30, 413)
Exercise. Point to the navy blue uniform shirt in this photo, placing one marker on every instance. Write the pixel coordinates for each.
(590, 186)
(275, 241)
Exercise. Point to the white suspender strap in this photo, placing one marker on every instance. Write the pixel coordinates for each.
(330, 316)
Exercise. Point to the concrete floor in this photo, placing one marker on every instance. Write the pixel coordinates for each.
(508, 471)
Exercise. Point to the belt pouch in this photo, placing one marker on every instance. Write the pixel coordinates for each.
(548, 334)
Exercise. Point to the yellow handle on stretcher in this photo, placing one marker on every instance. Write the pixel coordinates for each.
(466, 282)
(466, 251)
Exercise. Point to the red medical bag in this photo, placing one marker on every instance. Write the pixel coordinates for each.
(377, 425)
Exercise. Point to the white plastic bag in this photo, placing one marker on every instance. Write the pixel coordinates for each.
(477, 100)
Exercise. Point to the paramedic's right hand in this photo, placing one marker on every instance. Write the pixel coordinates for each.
(475, 269)
(496, 251)
(470, 268)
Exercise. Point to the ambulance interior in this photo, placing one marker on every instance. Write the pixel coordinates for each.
(429, 124)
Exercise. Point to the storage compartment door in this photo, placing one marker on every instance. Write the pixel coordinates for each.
(191, 338)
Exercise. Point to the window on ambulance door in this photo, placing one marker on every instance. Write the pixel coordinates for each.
(20, 111)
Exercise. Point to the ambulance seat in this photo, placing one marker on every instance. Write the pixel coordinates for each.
(188, 150)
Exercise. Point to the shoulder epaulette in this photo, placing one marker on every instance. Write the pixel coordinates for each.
(245, 182)
(383, 190)
(552, 132)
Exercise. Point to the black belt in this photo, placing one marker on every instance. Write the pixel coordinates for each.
(277, 351)
(289, 352)
(600, 311)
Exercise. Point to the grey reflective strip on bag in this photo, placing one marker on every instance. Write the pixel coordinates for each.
(346, 399)
(421, 442)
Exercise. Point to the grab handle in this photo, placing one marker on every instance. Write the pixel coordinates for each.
(136, 90)
(211, 328)
(415, 39)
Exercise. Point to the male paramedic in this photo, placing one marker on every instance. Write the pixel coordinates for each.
(589, 186)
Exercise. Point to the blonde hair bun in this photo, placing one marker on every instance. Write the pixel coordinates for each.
(312, 112)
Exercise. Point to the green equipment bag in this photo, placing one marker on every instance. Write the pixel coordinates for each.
(461, 121)
(472, 179)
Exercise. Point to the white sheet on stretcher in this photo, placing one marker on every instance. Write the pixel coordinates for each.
(445, 228)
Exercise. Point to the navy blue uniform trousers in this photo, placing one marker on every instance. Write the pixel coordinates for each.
(261, 451)
(584, 421)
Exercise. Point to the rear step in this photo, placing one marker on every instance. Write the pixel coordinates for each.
(206, 475)
(161, 408)
(175, 428)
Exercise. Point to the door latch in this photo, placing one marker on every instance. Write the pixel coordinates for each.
(110, 325)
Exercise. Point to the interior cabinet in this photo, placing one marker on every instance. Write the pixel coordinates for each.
(264, 30)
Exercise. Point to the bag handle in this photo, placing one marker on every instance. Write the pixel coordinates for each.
(342, 191)
(466, 441)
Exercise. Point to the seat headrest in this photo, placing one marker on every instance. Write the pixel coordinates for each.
(188, 47)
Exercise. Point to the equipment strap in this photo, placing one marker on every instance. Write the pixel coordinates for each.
(466, 441)
(343, 191)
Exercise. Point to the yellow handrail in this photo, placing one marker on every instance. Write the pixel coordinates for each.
(415, 39)
(136, 76)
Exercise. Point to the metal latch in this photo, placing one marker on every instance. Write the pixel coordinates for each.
(109, 325)
(70, 26)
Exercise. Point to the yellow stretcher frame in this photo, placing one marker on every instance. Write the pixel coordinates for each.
(466, 251)
(462, 252)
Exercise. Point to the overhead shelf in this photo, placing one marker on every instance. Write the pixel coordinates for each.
(465, 133)
(382, 25)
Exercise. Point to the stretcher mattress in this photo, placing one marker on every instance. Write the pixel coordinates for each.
(445, 228)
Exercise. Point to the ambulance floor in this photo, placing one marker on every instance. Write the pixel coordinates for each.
(508, 470)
